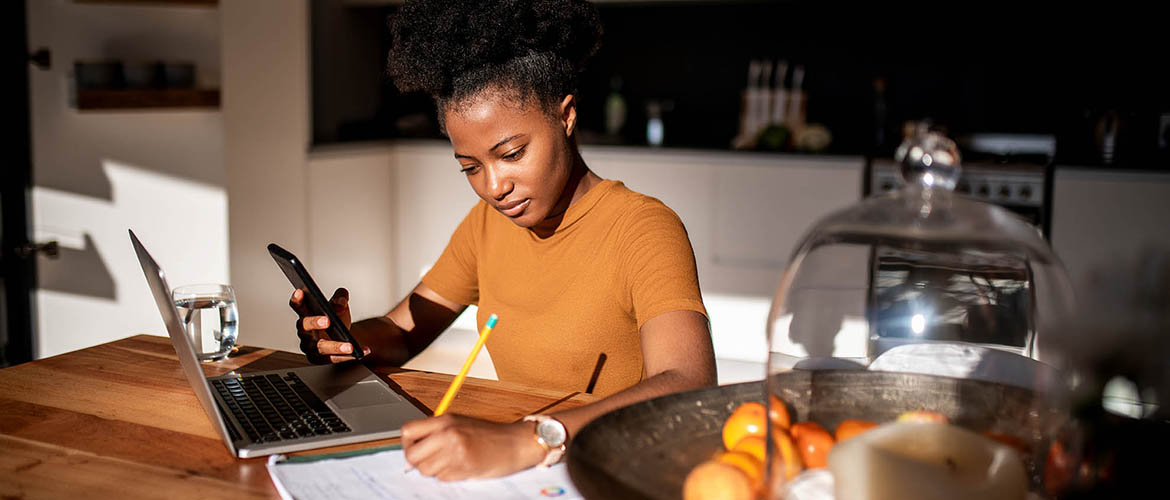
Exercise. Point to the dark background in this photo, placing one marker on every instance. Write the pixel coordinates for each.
(970, 66)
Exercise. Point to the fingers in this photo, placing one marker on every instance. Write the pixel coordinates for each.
(427, 455)
(297, 302)
(340, 297)
(315, 342)
(310, 323)
(416, 430)
(340, 303)
(423, 444)
(338, 352)
(334, 348)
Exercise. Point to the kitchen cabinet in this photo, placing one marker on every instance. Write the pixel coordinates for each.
(1104, 220)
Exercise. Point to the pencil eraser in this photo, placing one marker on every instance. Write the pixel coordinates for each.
(491, 322)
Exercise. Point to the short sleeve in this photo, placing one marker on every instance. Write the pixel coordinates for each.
(659, 263)
(455, 275)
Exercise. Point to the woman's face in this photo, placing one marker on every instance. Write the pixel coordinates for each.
(517, 158)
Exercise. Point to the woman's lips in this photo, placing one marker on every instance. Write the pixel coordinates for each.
(515, 209)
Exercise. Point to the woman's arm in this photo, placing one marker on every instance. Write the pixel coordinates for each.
(392, 339)
(677, 352)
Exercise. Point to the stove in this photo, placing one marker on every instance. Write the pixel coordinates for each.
(1009, 171)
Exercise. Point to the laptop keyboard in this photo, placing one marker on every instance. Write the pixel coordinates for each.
(273, 408)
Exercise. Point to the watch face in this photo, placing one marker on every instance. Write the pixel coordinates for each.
(552, 432)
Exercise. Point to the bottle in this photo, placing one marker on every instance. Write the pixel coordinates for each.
(1107, 136)
(655, 130)
(749, 115)
(779, 94)
(615, 107)
(763, 97)
(796, 110)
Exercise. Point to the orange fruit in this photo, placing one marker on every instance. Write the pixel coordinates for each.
(1015, 442)
(852, 427)
(778, 412)
(755, 446)
(923, 416)
(713, 480)
(813, 442)
(802, 427)
(1058, 470)
(746, 462)
(786, 461)
(750, 419)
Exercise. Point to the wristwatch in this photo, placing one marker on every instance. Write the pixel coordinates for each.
(552, 436)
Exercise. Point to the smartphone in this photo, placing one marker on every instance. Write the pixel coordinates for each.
(314, 300)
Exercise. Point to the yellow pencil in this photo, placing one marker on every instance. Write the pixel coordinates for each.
(483, 335)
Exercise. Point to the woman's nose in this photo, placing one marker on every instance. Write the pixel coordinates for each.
(498, 184)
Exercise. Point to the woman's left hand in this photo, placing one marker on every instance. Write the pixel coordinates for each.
(451, 447)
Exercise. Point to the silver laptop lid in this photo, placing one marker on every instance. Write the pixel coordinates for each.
(184, 349)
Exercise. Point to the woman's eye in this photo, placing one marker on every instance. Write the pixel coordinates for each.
(515, 155)
(469, 169)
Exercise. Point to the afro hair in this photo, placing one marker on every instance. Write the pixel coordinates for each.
(454, 49)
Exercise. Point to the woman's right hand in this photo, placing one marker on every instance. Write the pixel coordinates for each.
(313, 330)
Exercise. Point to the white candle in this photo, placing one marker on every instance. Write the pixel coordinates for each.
(916, 460)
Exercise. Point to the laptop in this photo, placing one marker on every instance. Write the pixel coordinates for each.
(280, 411)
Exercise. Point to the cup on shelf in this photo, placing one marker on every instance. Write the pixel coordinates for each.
(178, 75)
(98, 74)
(141, 75)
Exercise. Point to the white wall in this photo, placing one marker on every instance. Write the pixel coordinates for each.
(1102, 221)
(96, 174)
(351, 221)
(266, 137)
(432, 197)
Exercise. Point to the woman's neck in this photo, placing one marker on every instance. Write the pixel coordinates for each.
(581, 180)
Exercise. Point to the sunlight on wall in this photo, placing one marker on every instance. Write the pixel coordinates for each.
(848, 342)
(183, 224)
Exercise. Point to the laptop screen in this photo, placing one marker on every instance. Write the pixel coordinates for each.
(184, 350)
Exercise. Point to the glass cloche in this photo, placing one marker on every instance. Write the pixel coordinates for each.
(905, 297)
(921, 265)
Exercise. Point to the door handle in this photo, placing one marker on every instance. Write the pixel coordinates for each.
(42, 59)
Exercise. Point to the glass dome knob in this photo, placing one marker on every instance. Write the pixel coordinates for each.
(929, 159)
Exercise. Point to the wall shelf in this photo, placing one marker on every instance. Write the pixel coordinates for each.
(155, 3)
(128, 99)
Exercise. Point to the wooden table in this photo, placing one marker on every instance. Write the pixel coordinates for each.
(119, 419)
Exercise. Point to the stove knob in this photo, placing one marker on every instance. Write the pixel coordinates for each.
(1026, 193)
(1005, 192)
(984, 191)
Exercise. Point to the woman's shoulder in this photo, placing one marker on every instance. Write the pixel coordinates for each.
(633, 206)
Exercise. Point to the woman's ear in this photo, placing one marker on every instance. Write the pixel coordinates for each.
(568, 114)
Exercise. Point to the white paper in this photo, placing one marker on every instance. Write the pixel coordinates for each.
(381, 476)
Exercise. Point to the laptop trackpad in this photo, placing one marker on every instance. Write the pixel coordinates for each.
(364, 394)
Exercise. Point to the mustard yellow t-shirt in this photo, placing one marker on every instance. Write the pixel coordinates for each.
(570, 306)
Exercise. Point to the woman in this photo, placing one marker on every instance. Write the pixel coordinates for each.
(595, 285)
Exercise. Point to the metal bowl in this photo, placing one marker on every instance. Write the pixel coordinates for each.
(645, 450)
